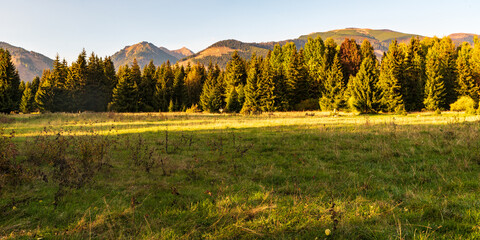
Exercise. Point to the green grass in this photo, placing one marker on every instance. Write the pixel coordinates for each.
(255, 177)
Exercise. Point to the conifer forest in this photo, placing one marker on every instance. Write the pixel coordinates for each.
(430, 75)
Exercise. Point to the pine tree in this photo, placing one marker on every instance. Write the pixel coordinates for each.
(391, 79)
(9, 83)
(235, 72)
(211, 97)
(193, 85)
(466, 85)
(266, 87)
(333, 88)
(278, 78)
(448, 56)
(314, 53)
(178, 94)
(146, 88)
(296, 79)
(233, 104)
(364, 89)
(435, 90)
(475, 59)
(125, 94)
(76, 82)
(414, 76)
(110, 79)
(252, 93)
(45, 96)
(28, 99)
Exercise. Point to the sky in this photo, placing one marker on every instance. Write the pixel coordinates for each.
(65, 27)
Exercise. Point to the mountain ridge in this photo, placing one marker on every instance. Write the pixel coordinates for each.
(29, 64)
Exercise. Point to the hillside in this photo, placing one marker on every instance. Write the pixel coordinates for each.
(28, 63)
(459, 38)
(220, 52)
(145, 51)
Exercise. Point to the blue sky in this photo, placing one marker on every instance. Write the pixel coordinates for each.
(106, 26)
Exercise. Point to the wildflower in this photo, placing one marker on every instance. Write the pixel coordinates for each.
(327, 232)
(14, 208)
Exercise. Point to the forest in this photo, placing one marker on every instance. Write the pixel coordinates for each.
(431, 74)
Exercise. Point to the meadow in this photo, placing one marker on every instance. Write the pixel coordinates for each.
(290, 175)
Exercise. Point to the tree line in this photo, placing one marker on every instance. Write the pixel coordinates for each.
(429, 74)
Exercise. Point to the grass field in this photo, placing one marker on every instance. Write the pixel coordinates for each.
(270, 176)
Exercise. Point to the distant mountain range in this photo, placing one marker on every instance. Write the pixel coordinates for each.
(30, 64)
(145, 51)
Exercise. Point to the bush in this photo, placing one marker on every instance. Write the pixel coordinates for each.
(464, 103)
(193, 109)
(308, 105)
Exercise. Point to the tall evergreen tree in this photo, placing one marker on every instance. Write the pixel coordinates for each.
(178, 94)
(146, 88)
(45, 96)
(435, 89)
(125, 94)
(466, 85)
(28, 99)
(296, 79)
(448, 56)
(364, 90)
(414, 76)
(193, 85)
(314, 53)
(211, 97)
(233, 103)
(333, 88)
(9, 83)
(266, 86)
(391, 79)
(278, 78)
(252, 93)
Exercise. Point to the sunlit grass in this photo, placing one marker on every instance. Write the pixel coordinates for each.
(280, 175)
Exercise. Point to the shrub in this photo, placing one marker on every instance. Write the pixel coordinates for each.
(464, 103)
(308, 104)
(193, 109)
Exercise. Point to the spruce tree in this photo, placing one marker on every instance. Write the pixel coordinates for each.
(414, 76)
(28, 99)
(45, 96)
(278, 78)
(435, 90)
(314, 53)
(391, 79)
(252, 93)
(9, 83)
(333, 88)
(193, 85)
(296, 79)
(211, 97)
(266, 86)
(364, 90)
(124, 98)
(466, 85)
(232, 101)
(146, 88)
(178, 94)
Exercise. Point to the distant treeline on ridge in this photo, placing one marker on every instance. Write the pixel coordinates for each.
(431, 74)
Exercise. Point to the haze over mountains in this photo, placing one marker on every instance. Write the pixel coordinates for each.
(30, 64)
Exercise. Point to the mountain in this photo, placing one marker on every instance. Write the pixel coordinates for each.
(459, 38)
(28, 63)
(145, 51)
(220, 52)
(181, 53)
